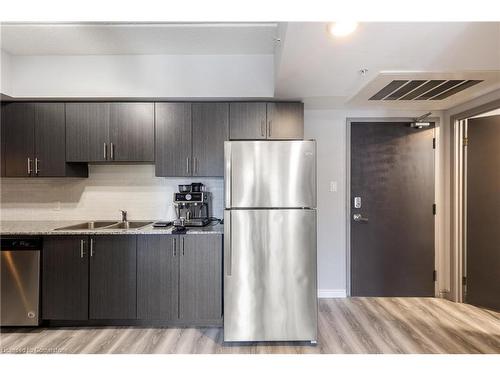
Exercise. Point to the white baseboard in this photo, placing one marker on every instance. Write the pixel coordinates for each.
(332, 293)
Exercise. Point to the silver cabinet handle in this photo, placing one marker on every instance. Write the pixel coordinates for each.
(228, 249)
(187, 165)
(195, 165)
(174, 246)
(112, 151)
(82, 248)
(270, 127)
(359, 218)
(105, 150)
(29, 167)
(37, 170)
(263, 128)
(91, 247)
(182, 246)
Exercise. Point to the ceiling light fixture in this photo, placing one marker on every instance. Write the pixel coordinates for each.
(341, 28)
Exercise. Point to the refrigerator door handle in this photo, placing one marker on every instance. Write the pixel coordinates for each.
(228, 249)
(227, 174)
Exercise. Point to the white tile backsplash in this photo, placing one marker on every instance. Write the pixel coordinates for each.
(108, 189)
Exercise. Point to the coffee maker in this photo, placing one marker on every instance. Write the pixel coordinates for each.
(192, 206)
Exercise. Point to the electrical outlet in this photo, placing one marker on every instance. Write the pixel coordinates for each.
(333, 186)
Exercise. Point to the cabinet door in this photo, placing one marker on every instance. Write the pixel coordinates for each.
(87, 132)
(65, 278)
(210, 130)
(173, 139)
(50, 140)
(157, 277)
(200, 284)
(113, 277)
(285, 120)
(131, 131)
(247, 121)
(19, 131)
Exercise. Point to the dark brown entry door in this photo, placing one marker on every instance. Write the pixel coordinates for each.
(392, 244)
(483, 212)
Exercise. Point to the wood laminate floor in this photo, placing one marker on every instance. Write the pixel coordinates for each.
(346, 325)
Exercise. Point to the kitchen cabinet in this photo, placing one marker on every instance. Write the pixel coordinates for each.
(173, 132)
(210, 130)
(276, 120)
(200, 278)
(190, 139)
(65, 278)
(87, 132)
(107, 132)
(113, 260)
(247, 120)
(35, 141)
(157, 277)
(285, 120)
(131, 132)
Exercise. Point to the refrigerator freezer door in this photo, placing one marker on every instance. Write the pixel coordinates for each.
(270, 275)
(270, 174)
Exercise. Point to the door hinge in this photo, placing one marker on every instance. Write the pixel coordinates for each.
(466, 141)
(434, 209)
(433, 143)
(434, 275)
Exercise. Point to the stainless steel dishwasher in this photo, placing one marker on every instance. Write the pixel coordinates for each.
(20, 281)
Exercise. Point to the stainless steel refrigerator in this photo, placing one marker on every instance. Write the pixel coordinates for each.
(270, 291)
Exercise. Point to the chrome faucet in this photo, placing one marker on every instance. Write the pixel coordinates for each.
(124, 216)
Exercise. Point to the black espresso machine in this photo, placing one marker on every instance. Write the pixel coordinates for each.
(192, 206)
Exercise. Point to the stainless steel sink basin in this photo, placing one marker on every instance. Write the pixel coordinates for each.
(129, 225)
(89, 225)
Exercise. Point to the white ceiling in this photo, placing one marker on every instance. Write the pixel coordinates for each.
(122, 39)
(309, 63)
(324, 71)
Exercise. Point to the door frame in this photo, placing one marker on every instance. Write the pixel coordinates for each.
(458, 194)
(437, 231)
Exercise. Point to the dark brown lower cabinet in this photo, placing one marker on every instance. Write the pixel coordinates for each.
(65, 278)
(200, 277)
(113, 260)
(157, 277)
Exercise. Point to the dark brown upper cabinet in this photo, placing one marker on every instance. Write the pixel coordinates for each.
(247, 120)
(173, 140)
(107, 132)
(210, 130)
(131, 132)
(190, 139)
(277, 120)
(34, 139)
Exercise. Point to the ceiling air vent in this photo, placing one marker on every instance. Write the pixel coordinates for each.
(434, 89)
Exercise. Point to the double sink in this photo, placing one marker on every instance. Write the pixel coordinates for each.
(97, 225)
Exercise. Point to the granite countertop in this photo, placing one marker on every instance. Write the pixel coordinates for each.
(47, 228)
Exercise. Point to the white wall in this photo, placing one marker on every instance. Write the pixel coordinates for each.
(328, 127)
(6, 73)
(156, 76)
(108, 189)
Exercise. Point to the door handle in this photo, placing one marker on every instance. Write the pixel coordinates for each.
(187, 165)
(228, 249)
(174, 245)
(359, 218)
(29, 167)
(112, 151)
(37, 170)
(195, 165)
(270, 127)
(82, 248)
(263, 128)
(182, 246)
(91, 247)
(105, 150)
